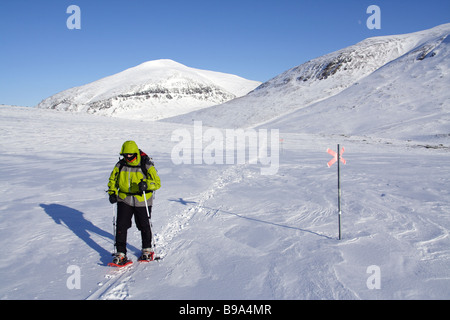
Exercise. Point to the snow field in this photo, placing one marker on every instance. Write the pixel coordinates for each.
(224, 231)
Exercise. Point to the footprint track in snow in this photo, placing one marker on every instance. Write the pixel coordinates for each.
(232, 174)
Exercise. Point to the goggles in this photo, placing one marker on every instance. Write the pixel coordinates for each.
(130, 156)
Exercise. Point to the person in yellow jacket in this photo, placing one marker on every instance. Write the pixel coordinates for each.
(131, 177)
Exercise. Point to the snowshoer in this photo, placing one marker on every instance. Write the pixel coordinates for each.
(128, 182)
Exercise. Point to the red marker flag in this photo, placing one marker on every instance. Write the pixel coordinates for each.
(330, 163)
(334, 154)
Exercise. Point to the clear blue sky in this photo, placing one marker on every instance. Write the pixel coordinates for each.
(255, 39)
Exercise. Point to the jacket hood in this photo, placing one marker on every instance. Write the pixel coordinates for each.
(131, 147)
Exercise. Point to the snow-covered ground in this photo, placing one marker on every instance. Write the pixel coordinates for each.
(224, 231)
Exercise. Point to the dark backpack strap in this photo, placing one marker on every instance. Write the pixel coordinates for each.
(146, 163)
(121, 164)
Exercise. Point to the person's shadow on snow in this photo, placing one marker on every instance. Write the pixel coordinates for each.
(81, 227)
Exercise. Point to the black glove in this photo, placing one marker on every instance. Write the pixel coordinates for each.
(112, 198)
(142, 186)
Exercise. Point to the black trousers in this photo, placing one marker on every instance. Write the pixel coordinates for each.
(124, 215)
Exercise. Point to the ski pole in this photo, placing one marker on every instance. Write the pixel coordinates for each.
(151, 227)
(339, 190)
(114, 228)
(146, 205)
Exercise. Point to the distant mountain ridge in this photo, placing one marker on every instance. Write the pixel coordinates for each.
(320, 79)
(408, 99)
(152, 90)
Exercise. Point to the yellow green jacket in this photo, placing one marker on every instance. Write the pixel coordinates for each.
(125, 177)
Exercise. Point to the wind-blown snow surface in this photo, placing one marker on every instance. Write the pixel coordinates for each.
(152, 90)
(225, 231)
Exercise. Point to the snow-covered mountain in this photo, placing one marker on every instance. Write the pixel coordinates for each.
(396, 70)
(409, 98)
(152, 90)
